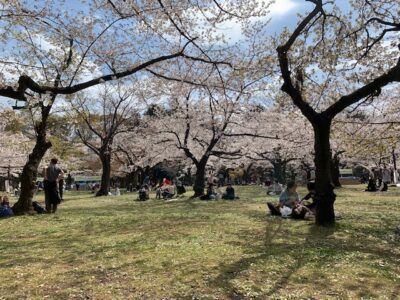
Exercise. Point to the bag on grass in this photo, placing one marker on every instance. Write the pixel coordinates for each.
(38, 208)
(286, 212)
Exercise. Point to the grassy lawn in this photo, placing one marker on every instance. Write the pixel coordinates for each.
(117, 248)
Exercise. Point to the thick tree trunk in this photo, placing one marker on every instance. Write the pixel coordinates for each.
(199, 186)
(325, 196)
(106, 174)
(279, 171)
(395, 179)
(29, 175)
(246, 175)
(189, 177)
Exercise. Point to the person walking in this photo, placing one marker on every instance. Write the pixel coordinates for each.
(51, 177)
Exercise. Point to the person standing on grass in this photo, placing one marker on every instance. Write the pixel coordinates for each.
(61, 185)
(51, 177)
(386, 178)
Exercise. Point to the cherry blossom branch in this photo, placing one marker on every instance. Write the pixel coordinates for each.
(25, 82)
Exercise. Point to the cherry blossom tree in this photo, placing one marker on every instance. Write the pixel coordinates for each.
(283, 139)
(103, 118)
(198, 124)
(50, 49)
(332, 61)
(369, 136)
(14, 143)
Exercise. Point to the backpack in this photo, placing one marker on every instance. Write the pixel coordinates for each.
(38, 208)
(142, 195)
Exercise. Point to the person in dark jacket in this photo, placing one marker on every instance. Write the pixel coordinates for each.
(230, 193)
(51, 177)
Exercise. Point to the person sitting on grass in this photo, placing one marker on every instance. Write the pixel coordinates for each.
(274, 189)
(5, 209)
(288, 198)
(211, 193)
(371, 185)
(143, 193)
(180, 188)
(230, 193)
(311, 195)
(168, 192)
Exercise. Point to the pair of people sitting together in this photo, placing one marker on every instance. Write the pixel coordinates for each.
(166, 190)
(290, 204)
(213, 194)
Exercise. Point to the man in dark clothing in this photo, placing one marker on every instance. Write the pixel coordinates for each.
(51, 176)
(229, 194)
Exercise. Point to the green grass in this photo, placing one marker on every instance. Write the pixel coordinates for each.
(116, 248)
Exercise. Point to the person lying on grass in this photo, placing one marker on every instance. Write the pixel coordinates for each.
(289, 201)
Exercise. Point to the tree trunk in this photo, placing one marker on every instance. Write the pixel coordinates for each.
(29, 175)
(106, 174)
(335, 171)
(279, 171)
(395, 179)
(198, 186)
(325, 197)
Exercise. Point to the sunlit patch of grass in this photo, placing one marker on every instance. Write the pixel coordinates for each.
(118, 248)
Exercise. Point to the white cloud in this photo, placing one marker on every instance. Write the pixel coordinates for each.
(232, 30)
(282, 7)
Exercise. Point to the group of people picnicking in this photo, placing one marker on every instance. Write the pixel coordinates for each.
(290, 204)
(213, 190)
(168, 189)
(379, 180)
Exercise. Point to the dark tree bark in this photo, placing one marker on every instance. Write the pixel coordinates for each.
(321, 121)
(29, 176)
(395, 178)
(335, 169)
(325, 197)
(106, 174)
(279, 170)
(198, 186)
(30, 171)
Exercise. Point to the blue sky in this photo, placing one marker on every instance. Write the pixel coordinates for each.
(289, 11)
(283, 14)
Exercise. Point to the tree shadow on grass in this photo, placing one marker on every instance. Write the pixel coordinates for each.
(317, 247)
(228, 272)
